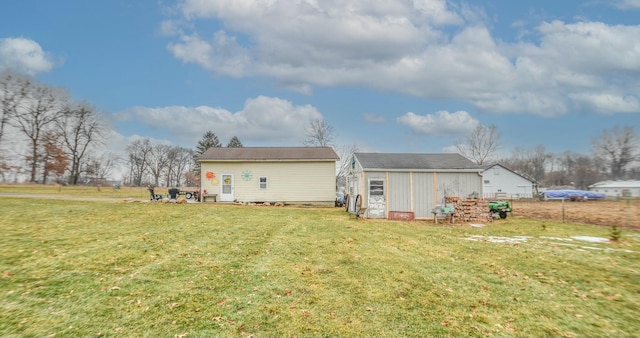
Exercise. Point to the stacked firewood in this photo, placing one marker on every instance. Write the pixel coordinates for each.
(470, 209)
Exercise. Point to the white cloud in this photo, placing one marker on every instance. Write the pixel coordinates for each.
(263, 119)
(442, 123)
(607, 103)
(221, 54)
(373, 118)
(23, 55)
(625, 4)
(408, 47)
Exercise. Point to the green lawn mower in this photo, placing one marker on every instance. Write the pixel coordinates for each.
(499, 209)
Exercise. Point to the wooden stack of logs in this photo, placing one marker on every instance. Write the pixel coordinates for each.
(470, 209)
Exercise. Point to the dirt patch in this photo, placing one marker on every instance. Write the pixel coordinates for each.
(598, 212)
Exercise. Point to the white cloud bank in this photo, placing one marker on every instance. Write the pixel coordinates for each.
(261, 119)
(24, 56)
(428, 48)
(442, 123)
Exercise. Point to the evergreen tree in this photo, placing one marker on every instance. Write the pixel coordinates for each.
(209, 140)
(234, 143)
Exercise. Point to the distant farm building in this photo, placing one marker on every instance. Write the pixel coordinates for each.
(502, 182)
(618, 188)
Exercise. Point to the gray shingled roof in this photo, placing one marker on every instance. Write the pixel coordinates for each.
(372, 161)
(270, 154)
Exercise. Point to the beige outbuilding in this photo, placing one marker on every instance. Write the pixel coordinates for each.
(292, 175)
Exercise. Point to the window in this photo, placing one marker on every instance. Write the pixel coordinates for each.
(376, 187)
(263, 182)
(486, 181)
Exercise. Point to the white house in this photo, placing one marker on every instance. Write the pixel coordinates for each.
(630, 188)
(499, 180)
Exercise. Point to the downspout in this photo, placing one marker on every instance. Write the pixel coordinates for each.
(435, 189)
(386, 203)
(411, 199)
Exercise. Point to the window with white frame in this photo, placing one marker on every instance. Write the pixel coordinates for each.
(376, 187)
(263, 182)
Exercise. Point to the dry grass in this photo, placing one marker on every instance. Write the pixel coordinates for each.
(622, 213)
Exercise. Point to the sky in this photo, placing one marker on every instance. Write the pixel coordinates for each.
(388, 75)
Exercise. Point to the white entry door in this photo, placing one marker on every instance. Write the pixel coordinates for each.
(226, 188)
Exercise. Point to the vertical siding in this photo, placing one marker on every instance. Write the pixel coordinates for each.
(287, 181)
(507, 182)
(458, 184)
(399, 191)
(423, 190)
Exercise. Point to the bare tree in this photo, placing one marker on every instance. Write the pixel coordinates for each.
(617, 148)
(529, 162)
(319, 134)
(481, 144)
(346, 156)
(80, 128)
(12, 91)
(98, 167)
(138, 153)
(179, 160)
(157, 162)
(40, 108)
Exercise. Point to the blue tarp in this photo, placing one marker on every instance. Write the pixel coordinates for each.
(571, 193)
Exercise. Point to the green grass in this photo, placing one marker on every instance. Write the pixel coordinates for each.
(100, 268)
(106, 192)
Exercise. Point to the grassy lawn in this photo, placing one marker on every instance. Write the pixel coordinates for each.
(75, 192)
(107, 268)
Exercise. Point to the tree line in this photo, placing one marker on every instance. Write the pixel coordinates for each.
(166, 165)
(63, 136)
(66, 144)
(615, 155)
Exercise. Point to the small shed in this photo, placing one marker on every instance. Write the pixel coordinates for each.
(296, 175)
(501, 182)
(617, 188)
(409, 185)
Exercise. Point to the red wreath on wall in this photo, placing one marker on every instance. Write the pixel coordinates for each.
(210, 175)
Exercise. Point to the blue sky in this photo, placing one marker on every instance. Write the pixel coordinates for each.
(389, 76)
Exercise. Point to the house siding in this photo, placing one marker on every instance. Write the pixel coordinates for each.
(423, 192)
(416, 192)
(286, 181)
(617, 188)
(504, 181)
(399, 191)
(458, 184)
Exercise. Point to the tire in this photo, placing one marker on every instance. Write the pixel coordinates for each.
(503, 214)
(358, 204)
(346, 204)
(188, 195)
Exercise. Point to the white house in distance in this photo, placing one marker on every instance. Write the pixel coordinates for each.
(617, 188)
(502, 182)
(292, 175)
